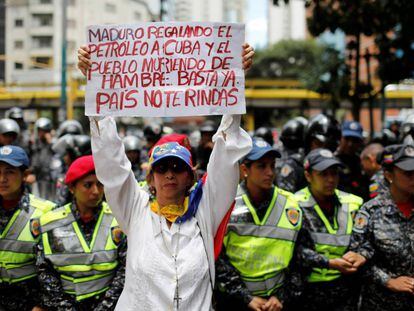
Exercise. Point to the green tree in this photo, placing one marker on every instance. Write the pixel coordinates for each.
(389, 22)
(317, 66)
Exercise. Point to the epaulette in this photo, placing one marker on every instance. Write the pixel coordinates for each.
(41, 204)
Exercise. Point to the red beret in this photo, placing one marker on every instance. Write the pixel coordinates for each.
(79, 168)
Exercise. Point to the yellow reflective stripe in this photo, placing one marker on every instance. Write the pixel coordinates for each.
(10, 223)
(252, 210)
(270, 207)
(95, 230)
(46, 244)
(325, 220)
(86, 268)
(81, 239)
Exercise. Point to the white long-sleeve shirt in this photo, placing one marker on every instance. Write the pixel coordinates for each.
(150, 282)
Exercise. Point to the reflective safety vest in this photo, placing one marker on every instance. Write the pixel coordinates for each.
(85, 270)
(335, 243)
(261, 251)
(18, 241)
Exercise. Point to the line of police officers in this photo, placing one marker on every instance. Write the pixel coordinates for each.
(302, 244)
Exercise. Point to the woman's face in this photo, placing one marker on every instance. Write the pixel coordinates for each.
(402, 180)
(324, 182)
(171, 178)
(88, 191)
(261, 173)
(11, 179)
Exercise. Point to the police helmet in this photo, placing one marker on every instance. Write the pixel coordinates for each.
(44, 124)
(74, 145)
(153, 131)
(325, 129)
(9, 126)
(14, 113)
(70, 127)
(407, 128)
(265, 133)
(132, 143)
(208, 126)
(386, 137)
(293, 132)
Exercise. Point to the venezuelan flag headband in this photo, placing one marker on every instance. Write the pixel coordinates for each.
(175, 150)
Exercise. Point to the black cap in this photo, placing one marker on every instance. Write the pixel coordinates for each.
(320, 159)
(401, 156)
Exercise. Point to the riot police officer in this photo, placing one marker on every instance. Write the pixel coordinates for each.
(350, 177)
(385, 137)
(67, 149)
(9, 131)
(265, 133)
(289, 169)
(72, 127)
(23, 138)
(322, 131)
(81, 257)
(384, 235)
(324, 238)
(407, 130)
(252, 271)
(42, 155)
(20, 232)
(133, 148)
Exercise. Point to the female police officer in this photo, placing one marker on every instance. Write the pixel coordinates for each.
(260, 237)
(82, 248)
(384, 235)
(325, 235)
(19, 227)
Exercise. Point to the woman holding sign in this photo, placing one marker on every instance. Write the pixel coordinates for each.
(170, 260)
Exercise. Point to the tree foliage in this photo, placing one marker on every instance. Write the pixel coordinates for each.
(317, 66)
(389, 22)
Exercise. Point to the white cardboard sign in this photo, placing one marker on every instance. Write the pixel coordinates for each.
(165, 69)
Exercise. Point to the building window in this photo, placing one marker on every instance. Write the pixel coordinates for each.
(43, 19)
(42, 42)
(110, 8)
(18, 44)
(18, 65)
(41, 62)
(72, 2)
(18, 23)
(45, 1)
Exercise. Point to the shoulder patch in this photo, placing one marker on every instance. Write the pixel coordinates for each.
(360, 221)
(35, 227)
(286, 170)
(293, 215)
(117, 235)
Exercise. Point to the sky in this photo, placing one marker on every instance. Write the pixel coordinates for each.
(256, 23)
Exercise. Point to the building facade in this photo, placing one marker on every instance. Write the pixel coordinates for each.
(34, 31)
(286, 21)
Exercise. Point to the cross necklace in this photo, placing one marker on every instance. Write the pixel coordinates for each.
(177, 298)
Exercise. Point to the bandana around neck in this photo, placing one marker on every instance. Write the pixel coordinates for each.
(170, 212)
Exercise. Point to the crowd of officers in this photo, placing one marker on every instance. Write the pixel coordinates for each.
(323, 220)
